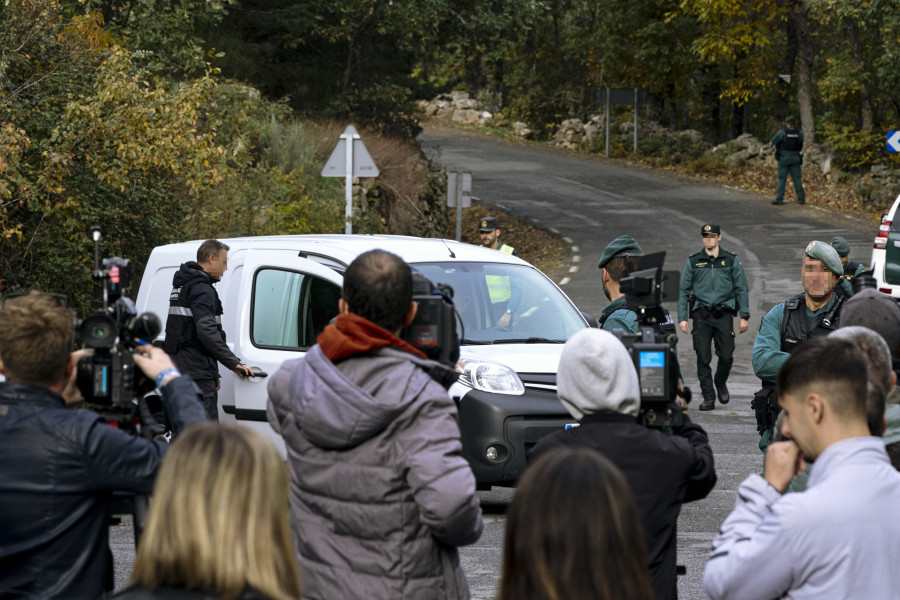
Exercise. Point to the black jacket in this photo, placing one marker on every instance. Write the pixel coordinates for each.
(57, 472)
(177, 593)
(194, 335)
(662, 470)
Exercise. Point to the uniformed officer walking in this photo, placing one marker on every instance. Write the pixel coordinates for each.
(713, 290)
(788, 143)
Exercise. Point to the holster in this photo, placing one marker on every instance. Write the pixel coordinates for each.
(765, 405)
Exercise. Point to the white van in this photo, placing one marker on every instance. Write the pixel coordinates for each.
(279, 292)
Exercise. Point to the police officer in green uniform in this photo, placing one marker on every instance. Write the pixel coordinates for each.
(489, 230)
(713, 290)
(788, 143)
(851, 269)
(616, 262)
(814, 313)
(499, 286)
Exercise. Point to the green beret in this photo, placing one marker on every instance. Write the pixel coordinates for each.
(828, 255)
(841, 245)
(624, 245)
(790, 119)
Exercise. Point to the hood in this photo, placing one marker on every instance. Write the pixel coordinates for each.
(339, 408)
(596, 374)
(521, 358)
(189, 273)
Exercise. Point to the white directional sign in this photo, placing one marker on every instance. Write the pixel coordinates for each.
(363, 165)
(893, 141)
(350, 159)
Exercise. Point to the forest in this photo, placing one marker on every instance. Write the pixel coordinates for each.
(184, 119)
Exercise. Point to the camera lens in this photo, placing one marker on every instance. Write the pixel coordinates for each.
(98, 331)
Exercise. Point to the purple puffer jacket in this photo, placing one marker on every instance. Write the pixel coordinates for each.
(381, 495)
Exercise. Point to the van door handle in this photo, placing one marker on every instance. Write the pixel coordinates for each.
(257, 372)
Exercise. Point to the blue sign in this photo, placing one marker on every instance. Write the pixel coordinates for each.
(652, 360)
(893, 141)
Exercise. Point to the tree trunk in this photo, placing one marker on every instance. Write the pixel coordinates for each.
(805, 54)
(783, 98)
(865, 103)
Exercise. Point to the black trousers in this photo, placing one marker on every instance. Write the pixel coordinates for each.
(210, 397)
(710, 330)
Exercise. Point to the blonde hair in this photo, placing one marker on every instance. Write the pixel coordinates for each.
(219, 517)
(36, 335)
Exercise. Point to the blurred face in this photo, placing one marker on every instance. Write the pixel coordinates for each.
(711, 241)
(217, 265)
(798, 422)
(818, 280)
(489, 238)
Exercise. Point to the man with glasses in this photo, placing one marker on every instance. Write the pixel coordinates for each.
(713, 290)
(59, 466)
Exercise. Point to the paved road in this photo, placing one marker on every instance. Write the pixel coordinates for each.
(588, 202)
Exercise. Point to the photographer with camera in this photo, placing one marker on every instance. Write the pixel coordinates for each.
(60, 466)
(598, 384)
(381, 495)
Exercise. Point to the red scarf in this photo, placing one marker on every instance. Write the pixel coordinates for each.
(351, 334)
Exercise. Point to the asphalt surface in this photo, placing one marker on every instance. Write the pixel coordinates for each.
(589, 201)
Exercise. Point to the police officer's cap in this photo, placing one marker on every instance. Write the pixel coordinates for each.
(828, 255)
(841, 245)
(624, 245)
(710, 228)
(790, 119)
(488, 224)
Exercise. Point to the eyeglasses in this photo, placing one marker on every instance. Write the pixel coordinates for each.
(61, 299)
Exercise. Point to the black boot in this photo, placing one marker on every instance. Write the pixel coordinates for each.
(708, 404)
(724, 396)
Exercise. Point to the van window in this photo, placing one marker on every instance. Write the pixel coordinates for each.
(290, 309)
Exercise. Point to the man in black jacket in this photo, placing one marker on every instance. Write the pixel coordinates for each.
(59, 467)
(598, 385)
(194, 335)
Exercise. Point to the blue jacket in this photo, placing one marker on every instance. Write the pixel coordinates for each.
(57, 475)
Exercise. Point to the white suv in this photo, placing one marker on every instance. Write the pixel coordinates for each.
(279, 293)
(886, 253)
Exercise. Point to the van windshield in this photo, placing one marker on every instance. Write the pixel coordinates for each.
(502, 303)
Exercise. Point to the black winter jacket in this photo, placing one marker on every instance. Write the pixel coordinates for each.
(194, 335)
(58, 470)
(662, 470)
(177, 593)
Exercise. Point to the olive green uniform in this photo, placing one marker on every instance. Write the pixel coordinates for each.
(719, 288)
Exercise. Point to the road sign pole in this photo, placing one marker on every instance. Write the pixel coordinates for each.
(459, 210)
(635, 117)
(348, 187)
(607, 122)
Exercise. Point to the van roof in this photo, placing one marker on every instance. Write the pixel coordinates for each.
(345, 248)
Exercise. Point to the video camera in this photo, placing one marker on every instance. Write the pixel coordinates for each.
(653, 348)
(108, 378)
(433, 331)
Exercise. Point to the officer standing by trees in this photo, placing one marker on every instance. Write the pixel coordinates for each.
(788, 142)
(713, 290)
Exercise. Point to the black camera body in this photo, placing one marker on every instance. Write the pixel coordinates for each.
(107, 378)
(652, 349)
(433, 331)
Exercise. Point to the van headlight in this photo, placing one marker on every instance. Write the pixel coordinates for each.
(489, 376)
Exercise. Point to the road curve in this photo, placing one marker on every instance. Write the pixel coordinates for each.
(588, 201)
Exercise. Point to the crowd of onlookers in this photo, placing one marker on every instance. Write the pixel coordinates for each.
(375, 495)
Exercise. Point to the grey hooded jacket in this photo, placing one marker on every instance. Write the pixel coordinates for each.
(381, 495)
